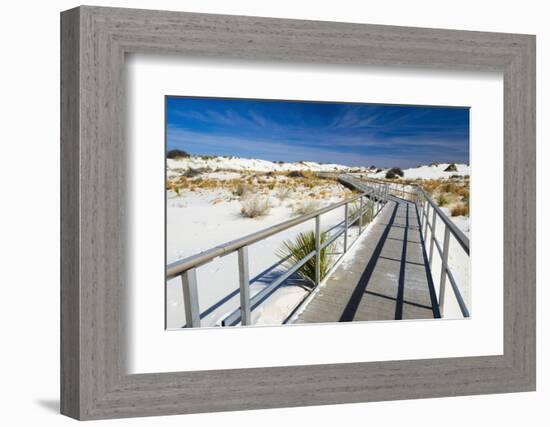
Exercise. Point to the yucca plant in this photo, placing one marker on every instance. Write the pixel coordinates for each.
(304, 243)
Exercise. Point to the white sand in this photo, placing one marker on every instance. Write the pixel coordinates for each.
(194, 224)
(428, 172)
(200, 220)
(242, 164)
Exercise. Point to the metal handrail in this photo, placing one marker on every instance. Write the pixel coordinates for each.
(186, 268)
(176, 268)
(461, 238)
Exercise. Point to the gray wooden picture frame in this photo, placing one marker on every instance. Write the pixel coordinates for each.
(94, 382)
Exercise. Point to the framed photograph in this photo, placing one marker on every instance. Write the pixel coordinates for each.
(262, 213)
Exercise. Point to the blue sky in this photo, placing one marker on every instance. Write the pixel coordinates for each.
(350, 134)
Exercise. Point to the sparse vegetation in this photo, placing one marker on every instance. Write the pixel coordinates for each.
(242, 189)
(255, 206)
(295, 174)
(306, 207)
(461, 209)
(442, 200)
(394, 173)
(176, 154)
(191, 172)
(294, 251)
(284, 193)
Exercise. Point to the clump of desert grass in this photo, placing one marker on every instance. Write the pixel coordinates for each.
(306, 207)
(242, 189)
(293, 251)
(192, 172)
(284, 193)
(255, 206)
(442, 200)
(460, 209)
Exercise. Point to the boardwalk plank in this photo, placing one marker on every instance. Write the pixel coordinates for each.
(384, 277)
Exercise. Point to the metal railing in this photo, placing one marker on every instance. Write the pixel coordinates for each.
(430, 213)
(371, 201)
(426, 205)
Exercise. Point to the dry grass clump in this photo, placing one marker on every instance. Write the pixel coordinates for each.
(296, 174)
(463, 192)
(241, 189)
(191, 173)
(306, 207)
(255, 206)
(442, 200)
(461, 209)
(284, 193)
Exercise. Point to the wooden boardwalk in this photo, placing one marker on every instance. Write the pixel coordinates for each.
(384, 277)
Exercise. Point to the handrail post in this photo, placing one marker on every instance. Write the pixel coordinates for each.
(425, 206)
(361, 214)
(432, 238)
(244, 285)
(426, 217)
(346, 228)
(444, 260)
(317, 250)
(191, 298)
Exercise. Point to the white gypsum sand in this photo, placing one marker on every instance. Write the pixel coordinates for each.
(207, 212)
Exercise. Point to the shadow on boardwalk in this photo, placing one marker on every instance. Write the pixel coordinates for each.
(384, 277)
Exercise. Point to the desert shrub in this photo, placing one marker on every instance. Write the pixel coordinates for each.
(461, 209)
(284, 193)
(204, 157)
(463, 192)
(449, 187)
(295, 174)
(177, 190)
(242, 189)
(255, 206)
(306, 207)
(378, 170)
(451, 168)
(191, 172)
(394, 173)
(442, 200)
(176, 154)
(294, 251)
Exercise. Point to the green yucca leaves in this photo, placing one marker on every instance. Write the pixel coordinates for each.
(304, 243)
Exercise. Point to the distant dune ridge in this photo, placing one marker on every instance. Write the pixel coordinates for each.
(239, 164)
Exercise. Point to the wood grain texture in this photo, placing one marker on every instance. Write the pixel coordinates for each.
(94, 239)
